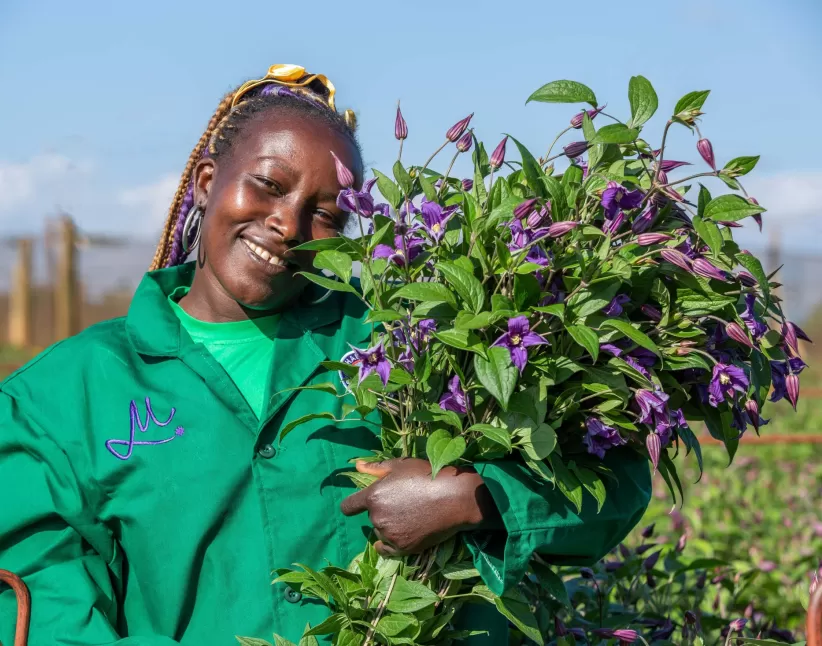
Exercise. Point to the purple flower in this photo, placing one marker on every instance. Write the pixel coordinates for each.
(614, 308)
(344, 176)
(707, 151)
(644, 221)
(467, 185)
(792, 389)
(464, 143)
(707, 269)
(539, 218)
(756, 326)
(575, 149)
(558, 229)
(779, 372)
(624, 635)
(498, 156)
(400, 126)
(652, 406)
(791, 333)
(455, 131)
(601, 437)
(404, 250)
(616, 197)
(613, 225)
(455, 399)
(517, 339)
(747, 279)
(737, 625)
(752, 411)
(435, 218)
(373, 360)
(647, 239)
(668, 165)
(725, 380)
(648, 531)
(362, 201)
(735, 332)
(576, 120)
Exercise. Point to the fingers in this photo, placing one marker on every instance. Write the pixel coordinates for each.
(355, 504)
(379, 469)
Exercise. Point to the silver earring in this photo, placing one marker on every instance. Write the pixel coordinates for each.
(194, 222)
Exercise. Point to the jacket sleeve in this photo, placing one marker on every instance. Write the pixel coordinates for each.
(48, 538)
(539, 518)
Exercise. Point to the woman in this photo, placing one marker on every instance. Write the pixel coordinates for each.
(147, 497)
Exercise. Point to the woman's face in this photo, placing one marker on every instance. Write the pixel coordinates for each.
(275, 189)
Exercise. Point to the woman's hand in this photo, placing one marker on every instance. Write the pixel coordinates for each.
(411, 512)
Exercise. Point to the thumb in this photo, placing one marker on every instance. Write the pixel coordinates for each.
(379, 469)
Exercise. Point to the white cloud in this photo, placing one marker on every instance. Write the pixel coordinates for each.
(794, 198)
(150, 202)
(20, 182)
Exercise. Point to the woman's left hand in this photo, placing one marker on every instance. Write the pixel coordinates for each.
(411, 512)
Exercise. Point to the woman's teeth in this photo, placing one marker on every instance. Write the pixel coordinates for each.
(262, 253)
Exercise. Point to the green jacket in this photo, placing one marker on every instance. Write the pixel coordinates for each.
(145, 504)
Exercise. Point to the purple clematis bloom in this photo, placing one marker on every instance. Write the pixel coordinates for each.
(362, 201)
(779, 372)
(613, 225)
(644, 221)
(616, 197)
(435, 218)
(614, 308)
(397, 254)
(752, 321)
(517, 339)
(455, 398)
(601, 437)
(725, 380)
(373, 360)
(522, 237)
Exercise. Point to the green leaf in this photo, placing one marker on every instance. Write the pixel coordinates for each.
(462, 340)
(695, 304)
(564, 92)
(330, 626)
(691, 443)
(760, 377)
(531, 169)
(254, 641)
(538, 442)
(430, 292)
(326, 387)
(557, 309)
(519, 613)
(568, 483)
(730, 208)
(427, 187)
(497, 374)
(551, 582)
(741, 165)
(709, 232)
(592, 483)
(383, 316)
(616, 133)
(469, 321)
(336, 262)
(588, 130)
(644, 101)
(410, 596)
(308, 640)
(282, 641)
(403, 178)
(493, 433)
(593, 299)
(328, 283)
(460, 571)
(391, 625)
(302, 420)
(691, 101)
(348, 637)
(637, 336)
(442, 450)
(719, 426)
(465, 284)
(389, 189)
(585, 337)
(753, 265)
(323, 244)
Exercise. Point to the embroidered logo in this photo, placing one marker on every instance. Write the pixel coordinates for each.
(350, 359)
(137, 423)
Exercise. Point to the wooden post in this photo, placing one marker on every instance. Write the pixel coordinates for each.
(20, 328)
(66, 305)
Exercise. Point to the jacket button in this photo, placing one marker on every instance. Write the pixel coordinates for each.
(291, 595)
(267, 451)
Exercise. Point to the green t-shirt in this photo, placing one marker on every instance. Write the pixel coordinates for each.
(245, 349)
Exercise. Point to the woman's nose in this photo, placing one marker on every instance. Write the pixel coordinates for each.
(287, 223)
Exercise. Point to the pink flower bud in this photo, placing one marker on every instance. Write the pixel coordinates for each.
(575, 149)
(647, 239)
(344, 176)
(676, 258)
(792, 389)
(576, 120)
(668, 165)
(498, 156)
(752, 409)
(455, 131)
(524, 209)
(680, 544)
(747, 279)
(735, 331)
(464, 143)
(737, 625)
(558, 229)
(707, 151)
(662, 177)
(400, 126)
(467, 185)
(654, 446)
(539, 218)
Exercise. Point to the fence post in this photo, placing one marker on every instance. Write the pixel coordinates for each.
(66, 305)
(20, 321)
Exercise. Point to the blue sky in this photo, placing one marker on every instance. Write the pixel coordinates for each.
(104, 100)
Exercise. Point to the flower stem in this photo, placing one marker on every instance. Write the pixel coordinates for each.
(554, 142)
(399, 156)
(380, 609)
(431, 158)
(445, 177)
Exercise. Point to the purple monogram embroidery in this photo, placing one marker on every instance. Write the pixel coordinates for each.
(136, 423)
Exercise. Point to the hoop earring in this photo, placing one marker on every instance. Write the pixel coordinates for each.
(194, 218)
(325, 296)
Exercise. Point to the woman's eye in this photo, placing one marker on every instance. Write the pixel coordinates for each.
(328, 218)
(270, 185)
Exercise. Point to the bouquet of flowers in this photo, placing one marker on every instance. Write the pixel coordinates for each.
(551, 315)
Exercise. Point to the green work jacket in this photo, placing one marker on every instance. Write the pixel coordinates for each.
(144, 503)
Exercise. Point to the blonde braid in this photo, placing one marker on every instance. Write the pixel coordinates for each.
(163, 252)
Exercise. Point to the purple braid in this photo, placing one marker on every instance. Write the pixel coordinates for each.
(178, 255)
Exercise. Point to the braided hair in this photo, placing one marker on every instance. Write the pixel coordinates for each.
(221, 133)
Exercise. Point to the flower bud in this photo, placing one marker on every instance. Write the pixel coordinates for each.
(400, 126)
(749, 610)
(792, 389)
(676, 258)
(747, 279)
(651, 561)
(576, 120)
(651, 312)
(730, 225)
(756, 216)
(498, 156)
(644, 548)
(558, 229)
(624, 551)
(707, 151)
(614, 225)
(668, 165)
(524, 209)
(752, 409)
(464, 143)
(344, 176)
(735, 331)
(654, 446)
(575, 149)
(703, 267)
(680, 544)
(467, 185)
(644, 221)
(539, 218)
(662, 177)
(690, 617)
(455, 131)
(701, 580)
(648, 239)
(559, 627)
(737, 625)
(624, 635)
